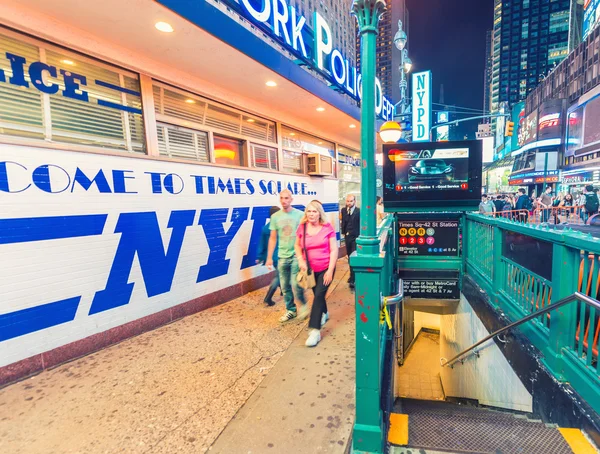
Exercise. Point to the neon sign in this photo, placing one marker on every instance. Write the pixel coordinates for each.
(290, 28)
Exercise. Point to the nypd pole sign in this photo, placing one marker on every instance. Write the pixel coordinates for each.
(421, 99)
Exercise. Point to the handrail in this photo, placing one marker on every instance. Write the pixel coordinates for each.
(569, 299)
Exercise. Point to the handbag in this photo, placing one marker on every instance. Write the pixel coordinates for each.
(306, 279)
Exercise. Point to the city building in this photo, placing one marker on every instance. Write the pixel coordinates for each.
(161, 133)
(530, 38)
(488, 73)
(558, 132)
(388, 56)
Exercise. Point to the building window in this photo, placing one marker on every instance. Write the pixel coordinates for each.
(228, 151)
(70, 99)
(263, 157)
(296, 144)
(182, 143)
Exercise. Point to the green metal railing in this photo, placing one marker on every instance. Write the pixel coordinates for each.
(525, 269)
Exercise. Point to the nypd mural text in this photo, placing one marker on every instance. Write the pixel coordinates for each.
(95, 244)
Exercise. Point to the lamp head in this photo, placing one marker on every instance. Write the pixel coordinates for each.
(390, 132)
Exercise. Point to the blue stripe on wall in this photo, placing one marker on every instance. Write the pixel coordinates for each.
(331, 207)
(116, 87)
(37, 318)
(23, 230)
(226, 29)
(113, 105)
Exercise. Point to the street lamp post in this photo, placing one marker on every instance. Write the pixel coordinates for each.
(367, 262)
(400, 41)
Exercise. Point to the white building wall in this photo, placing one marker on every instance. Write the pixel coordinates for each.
(489, 379)
(43, 263)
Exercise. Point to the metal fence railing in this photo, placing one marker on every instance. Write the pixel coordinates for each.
(524, 268)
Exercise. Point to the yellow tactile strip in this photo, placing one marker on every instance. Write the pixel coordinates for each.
(578, 443)
(398, 433)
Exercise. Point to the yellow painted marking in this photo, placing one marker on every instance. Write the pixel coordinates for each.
(577, 441)
(398, 434)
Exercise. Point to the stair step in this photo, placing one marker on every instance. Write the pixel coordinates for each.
(447, 427)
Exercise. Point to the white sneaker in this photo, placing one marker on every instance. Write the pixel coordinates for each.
(324, 319)
(304, 312)
(289, 315)
(314, 337)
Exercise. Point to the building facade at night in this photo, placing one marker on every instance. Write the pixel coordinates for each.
(530, 38)
(489, 63)
(388, 56)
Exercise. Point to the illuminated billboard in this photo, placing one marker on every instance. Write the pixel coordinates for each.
(591, 16)
(550, 122)
(433, 174)
(421, 116)
(443, 132)
(528, 129)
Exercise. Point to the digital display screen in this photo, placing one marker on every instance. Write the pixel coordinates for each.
(428, 238)
(437, 172)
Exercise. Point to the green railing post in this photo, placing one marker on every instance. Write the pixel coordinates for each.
(498, 278)
(563, 321)
(367, 261)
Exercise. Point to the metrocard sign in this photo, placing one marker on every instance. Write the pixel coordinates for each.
(290, 28)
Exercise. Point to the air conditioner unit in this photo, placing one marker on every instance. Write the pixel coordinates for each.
(319, 164)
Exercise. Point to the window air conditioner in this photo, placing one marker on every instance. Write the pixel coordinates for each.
(320, 165)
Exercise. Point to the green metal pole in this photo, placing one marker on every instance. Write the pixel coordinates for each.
(367, 262)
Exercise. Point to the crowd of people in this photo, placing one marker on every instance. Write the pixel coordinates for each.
(551, 207)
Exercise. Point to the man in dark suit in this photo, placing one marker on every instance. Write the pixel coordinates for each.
(350, 229)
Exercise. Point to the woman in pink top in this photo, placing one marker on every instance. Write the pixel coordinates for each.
(316, 239)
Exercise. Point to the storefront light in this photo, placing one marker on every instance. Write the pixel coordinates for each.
(320, 109)
(271, 83)
(164, 27)
(352, 126)
(68, 62)
(390, 132)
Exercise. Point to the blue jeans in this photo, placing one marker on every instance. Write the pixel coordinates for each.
(288, 270)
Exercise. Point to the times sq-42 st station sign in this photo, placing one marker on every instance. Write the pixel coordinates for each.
(316, 47)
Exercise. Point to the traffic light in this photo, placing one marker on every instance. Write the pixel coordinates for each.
(509, 129)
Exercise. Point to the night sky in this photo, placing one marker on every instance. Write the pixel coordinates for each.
(448, 38)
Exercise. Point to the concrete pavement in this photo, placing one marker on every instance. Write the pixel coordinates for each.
(177, 388)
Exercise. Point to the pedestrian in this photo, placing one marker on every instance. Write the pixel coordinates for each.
(263, 247)
(591, 204)
(379, 207)
(567, 204)
(317, 251)
(283, 226)
(523, 205)
(499, 203)
(545, 203)
(486, 206)
(350, 229)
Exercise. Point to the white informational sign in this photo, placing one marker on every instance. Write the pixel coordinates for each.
(90, 242)
(443, 132)
(488, 149)
(421, 96)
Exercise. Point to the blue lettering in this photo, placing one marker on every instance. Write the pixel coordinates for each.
(199, 183)
(212, 221)
(263, 187)
(170, 185)
(211, 185)
(4, 186)
(304, 188)
(155, 180)
(238, 186)
(37, 78)
(250, 186)
(71, 86)
(86, 183)
(18, 72)
(41, 178)
(119, 178)
(140, 234)
(259, 216)
(225, 186)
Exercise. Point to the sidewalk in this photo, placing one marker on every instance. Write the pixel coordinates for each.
(176, 389)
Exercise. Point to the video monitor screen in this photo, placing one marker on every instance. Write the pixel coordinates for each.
(438, 173)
